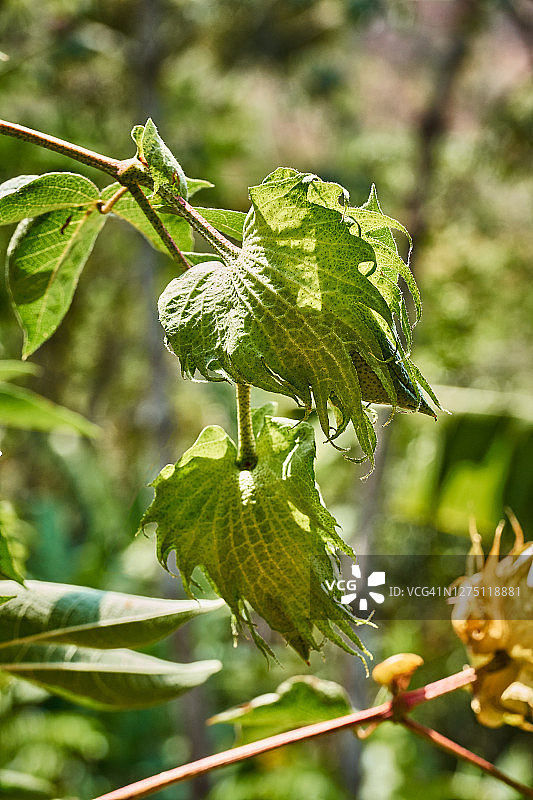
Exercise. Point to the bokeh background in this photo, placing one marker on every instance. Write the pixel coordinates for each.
(433, 101)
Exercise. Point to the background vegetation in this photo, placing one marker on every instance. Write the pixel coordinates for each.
(433, 101)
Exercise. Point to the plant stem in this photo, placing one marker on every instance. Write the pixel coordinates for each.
(158, 226)
(407, 700)
(105, 208)
(172, 776)
(387, 711)
(246, 451)
(130, 174)
(466, 755)
(196, 221)
(109, 165)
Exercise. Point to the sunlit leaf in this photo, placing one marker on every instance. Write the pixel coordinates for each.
(262, 537)
(33, 195)
(21, 408)
(67, 614)
(107, 679)
(45, 258)
(309, 308)
(301, 700)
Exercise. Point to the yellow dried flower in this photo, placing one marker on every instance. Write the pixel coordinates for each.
(493, 616)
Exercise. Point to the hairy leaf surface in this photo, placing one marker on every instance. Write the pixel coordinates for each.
(308, 309)
(45, 258)
(67, 614)
(164, 169)
(262, 537)
(107, 679)
(301, 700)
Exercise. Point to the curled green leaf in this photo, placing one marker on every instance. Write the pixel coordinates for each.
(164, 169)
(310, 307)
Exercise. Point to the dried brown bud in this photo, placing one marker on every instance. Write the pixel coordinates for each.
(494, 618)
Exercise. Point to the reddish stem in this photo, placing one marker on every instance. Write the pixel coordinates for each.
(466, 755)
(408, 700)
(164, 779)
(394, 709)
(109, 165)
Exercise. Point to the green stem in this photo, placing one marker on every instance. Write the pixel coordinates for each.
(158, 226)
(246, 451)
(196, 221)
(106, 208)
(130, 173)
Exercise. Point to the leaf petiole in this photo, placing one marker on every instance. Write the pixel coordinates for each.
(107, 207)
(246, 449)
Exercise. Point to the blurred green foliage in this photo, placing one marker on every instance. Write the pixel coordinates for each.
(355, 92)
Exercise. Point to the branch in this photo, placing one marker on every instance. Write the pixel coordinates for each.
(387, 711)
(157, 225)
(157, 782)
(466, 755)
(196, 221)
(110, 165)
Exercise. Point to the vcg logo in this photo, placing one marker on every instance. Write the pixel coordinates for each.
(349, 588)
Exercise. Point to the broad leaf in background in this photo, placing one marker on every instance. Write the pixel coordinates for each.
(307, 309)
(301, 700)
(163, 167)
(45, 258)
(8, 568)
(262, 537)
(67, 614)
(106, 679)
(33, 195)
(21, 786)
(21, 408)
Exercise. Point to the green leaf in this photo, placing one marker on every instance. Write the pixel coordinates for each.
(11, 368)
(229, 222)
(67, 614)
(20, 408)
(301, 700)
(127, 209)
(33, 195)
(307, 309)
(8, 568)
(195, 185)
(262, 537)
(21, 786)
(106, 679)
(164, 169)
(45, 258)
